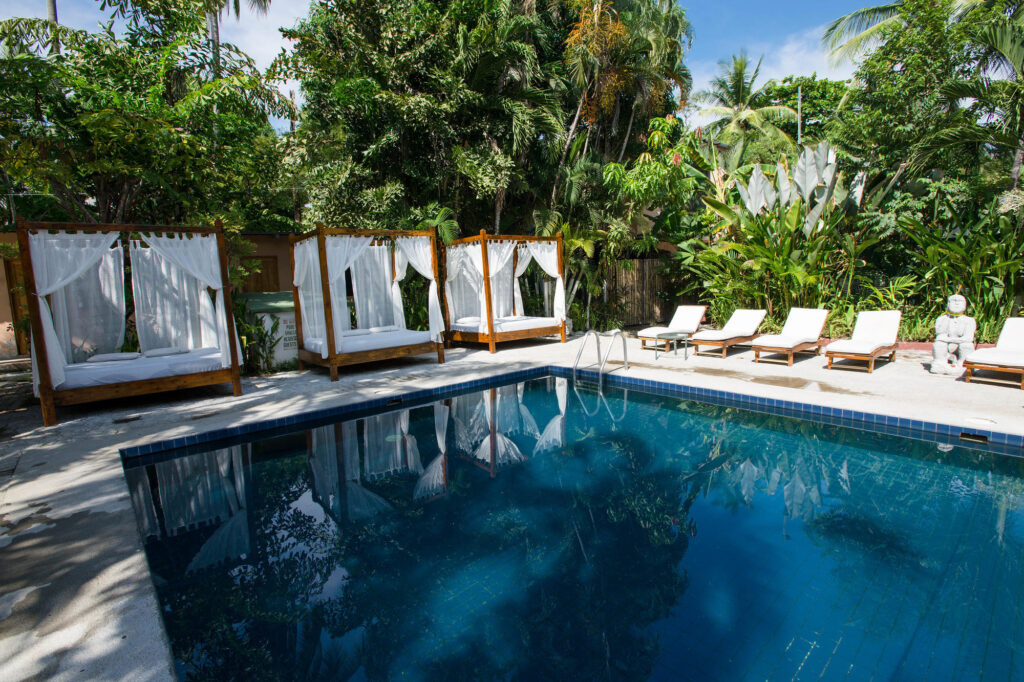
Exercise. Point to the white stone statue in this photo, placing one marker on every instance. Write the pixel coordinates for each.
(954, 337)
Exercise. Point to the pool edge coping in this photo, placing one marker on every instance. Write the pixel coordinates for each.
(995, 441)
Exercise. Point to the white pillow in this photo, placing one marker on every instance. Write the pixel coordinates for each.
(354, 332)
(162, 352)
(113, 357)
(385, 328)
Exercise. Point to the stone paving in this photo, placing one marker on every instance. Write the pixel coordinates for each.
(76, 599)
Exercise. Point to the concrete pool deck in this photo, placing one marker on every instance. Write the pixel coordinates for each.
(76, 598)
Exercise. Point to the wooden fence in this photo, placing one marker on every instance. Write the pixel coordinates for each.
(633, 292)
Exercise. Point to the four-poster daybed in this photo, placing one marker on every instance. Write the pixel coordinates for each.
(75, 272)
(484, 303)
(376, 262)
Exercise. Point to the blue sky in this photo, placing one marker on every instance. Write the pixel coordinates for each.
(786, 32)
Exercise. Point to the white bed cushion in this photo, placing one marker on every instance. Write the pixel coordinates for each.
(114, 357)
(355, 332)
(164, 352)
(855, 347)
(781, 340)
(997, 356)
(401, 337)
(519, 322)
(314, 345)
(84, 374)
(386, 328)
(506, 324)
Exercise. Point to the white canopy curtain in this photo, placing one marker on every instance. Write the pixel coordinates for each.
(432, 481)
(57, 260)
(523, 260)
(306, 279)
(401, 266)
(172, 308)
(384, 453)
(342, 252)
(506, 451)
(89, 313)
(199, 256)
(546, 255)
(463, 291)
(323, 465)
(469, 264)
(419, 253)
(371, 284)
(412, 448)
(360, 502)
(551, 437)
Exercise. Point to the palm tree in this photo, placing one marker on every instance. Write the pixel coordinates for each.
(213, 10)
(729, 98)
(855, 33)
(1002, 100)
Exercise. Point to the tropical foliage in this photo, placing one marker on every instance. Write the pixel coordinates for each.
(516, 117)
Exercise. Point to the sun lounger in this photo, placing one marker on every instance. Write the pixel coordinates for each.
(741, 328)
(685, 321)
(802, 332)
(874, 335)
(1007, 356)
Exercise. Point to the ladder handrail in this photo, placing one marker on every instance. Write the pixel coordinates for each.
(611, 347)
(579, 354)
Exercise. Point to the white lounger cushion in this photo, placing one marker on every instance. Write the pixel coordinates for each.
(372, 341)
(874, 329)
(1009, 350)
(741, 323)
(803, 325)
(994, 356)
(84, 374)
(686, 320)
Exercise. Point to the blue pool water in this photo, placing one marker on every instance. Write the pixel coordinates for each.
(536, 531)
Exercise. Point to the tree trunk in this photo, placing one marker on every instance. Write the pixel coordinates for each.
(1017, 160)
(213, 27)
(568, 141)
(629, 131)
(51, 15)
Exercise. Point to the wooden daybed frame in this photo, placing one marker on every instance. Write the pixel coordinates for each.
(788, 352)
(491, 338)
(335, 360)
(50, 397)
(866, 357)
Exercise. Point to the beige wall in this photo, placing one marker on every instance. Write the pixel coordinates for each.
(8, 347)
(275, 246)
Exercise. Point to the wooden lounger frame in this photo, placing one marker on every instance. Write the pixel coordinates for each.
(866, 357)
(972, 366)
(491, 337)
(724, 344)
(335, 360)
(50, 397)
(788, 352)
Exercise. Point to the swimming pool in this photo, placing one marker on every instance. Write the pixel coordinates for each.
(540, 530)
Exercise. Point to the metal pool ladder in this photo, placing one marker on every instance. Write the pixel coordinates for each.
(601, 362)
